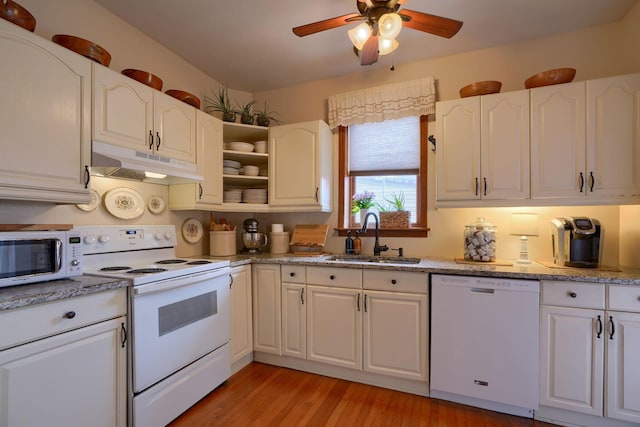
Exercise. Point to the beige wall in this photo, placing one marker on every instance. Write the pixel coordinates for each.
(595, 52)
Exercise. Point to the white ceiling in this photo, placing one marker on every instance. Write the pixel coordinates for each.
(248, 44)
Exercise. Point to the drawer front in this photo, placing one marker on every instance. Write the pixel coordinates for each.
(31, 323)
(624, 298)
(294, 274)
(573, 294)
(399, 281)
(338, 277)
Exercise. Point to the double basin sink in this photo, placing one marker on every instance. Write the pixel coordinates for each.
(374, 259)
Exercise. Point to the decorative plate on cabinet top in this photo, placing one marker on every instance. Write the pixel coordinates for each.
(124, 203)
(156, 204)
(192, 230)
(93, 203)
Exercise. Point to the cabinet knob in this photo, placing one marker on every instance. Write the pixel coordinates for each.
(292, 274)
(70, 314)
(573, 294)
(332, 277)
(394, 281)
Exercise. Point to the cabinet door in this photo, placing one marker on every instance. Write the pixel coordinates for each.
(623, 373)
(294, 320)
(175, 128)
(122, 110)
(395, 334)
(266, 308)
(45, 117)
(458, 153)
(298, 158)
(558, 141)
(613, 136)
(241, 324)
(505, 145)
(77, 378)
(334, 326)
(571, 359)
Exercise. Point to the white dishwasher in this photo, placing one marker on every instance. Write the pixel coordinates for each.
(484, 342)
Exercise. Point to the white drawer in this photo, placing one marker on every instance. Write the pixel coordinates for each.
(38, 321)
(399, 281)
(293, 274)
(624, 298)
(573, 294)
(338, 277)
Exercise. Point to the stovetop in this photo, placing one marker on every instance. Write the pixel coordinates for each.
(141, 254)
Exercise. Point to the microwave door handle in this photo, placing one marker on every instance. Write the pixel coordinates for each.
(58, 255)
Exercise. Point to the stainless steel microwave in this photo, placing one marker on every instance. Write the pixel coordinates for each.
(39, 256)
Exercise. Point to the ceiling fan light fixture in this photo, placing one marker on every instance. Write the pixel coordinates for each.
(389, 25)
(386, 46)
(359, 35)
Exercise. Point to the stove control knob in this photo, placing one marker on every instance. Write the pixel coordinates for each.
(157, 236)
(104, 238)
(89, 239)
(168, 235)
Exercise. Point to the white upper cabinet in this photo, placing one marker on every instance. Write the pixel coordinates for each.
(300, 166)
(130, 114)
(45, 117)
(483, 147)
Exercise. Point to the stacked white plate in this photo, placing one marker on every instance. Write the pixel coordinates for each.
(232, 196)
(254, 195)
(230, 167)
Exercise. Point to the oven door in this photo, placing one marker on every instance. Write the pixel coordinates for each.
(176, 321)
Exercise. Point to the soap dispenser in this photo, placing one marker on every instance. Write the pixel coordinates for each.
(348, 244)
(357, 244)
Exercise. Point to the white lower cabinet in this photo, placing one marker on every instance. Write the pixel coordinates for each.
(74, 378)
(294, 311)
(241, 316)
(267, 313)
(588, 354)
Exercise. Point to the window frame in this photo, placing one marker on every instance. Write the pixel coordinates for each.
(346, 186)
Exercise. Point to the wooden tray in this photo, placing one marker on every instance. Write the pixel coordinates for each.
(309, 237)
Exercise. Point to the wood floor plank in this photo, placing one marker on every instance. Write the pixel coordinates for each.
(265, 395)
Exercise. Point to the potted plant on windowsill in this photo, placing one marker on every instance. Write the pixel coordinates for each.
(264, 117)
(221, 103)
(361, 203)
(246, 115)
(394, 215)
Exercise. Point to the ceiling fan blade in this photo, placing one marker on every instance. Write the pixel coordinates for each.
(369, 53)
(327, 24)
(437, 25)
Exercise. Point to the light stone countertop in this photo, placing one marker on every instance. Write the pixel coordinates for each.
(37, 293)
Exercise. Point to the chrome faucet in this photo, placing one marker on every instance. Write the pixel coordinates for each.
(376, 246)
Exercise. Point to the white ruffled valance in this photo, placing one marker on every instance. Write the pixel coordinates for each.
(380, 103)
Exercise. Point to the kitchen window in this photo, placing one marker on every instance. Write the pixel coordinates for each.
(385, 158)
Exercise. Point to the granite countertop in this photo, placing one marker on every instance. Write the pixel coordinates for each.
(36, 293)
(534, 271)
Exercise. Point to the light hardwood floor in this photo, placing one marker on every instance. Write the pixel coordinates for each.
(265, 395)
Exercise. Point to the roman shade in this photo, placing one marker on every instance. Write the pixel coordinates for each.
(380, 103)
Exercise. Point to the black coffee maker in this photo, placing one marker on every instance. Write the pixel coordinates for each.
(576, 241)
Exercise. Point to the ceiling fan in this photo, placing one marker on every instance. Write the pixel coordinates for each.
(382, 23)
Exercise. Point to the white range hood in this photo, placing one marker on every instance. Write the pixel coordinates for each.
(126, 163)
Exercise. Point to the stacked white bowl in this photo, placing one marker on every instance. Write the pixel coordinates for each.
(254, 195)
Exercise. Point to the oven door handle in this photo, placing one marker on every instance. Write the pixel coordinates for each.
(173, 283)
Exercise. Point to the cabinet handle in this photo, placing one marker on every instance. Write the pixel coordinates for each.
(87, 176)
(572, 294)
(365, 303)
(477, 186)
(482, 383)
(612, 328)
(230, 281)
(302, 296)
(485, 185)
(358, 302)
(332, 277)
(158, 143)
(593, 181)
(150, 140)
(394, 281)
(581, 182)
(201, 191)
(123, 334)
(70, 314)
(598, 327)
(317, 189)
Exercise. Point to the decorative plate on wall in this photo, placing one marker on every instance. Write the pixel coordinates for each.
(93, 203)
(124, 203)
(192, 230)
(156, 204)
